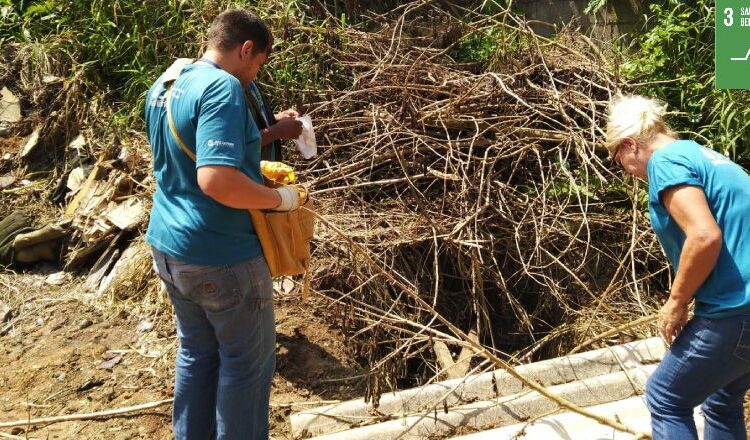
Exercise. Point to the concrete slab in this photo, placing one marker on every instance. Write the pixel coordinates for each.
(504, 410)
(571, 426)
(481, 387)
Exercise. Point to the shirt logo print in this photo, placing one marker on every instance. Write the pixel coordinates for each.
(217, 143)
(714, 157)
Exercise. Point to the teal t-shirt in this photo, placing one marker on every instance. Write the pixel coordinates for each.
(212, 118)
(726, 291)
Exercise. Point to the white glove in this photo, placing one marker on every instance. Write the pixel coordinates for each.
(290, 198)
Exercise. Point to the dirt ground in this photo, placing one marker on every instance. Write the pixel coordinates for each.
(65, 352)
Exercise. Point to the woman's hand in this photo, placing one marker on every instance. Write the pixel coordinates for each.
(672, 318)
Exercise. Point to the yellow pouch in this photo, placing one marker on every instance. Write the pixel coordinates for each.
(278, 172)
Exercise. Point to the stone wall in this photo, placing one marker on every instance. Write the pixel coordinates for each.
(612, 20)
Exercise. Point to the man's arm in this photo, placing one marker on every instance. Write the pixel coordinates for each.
(231, 187)
(287, 128)
(703, 239)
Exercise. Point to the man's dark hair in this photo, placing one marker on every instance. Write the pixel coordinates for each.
(235, 26)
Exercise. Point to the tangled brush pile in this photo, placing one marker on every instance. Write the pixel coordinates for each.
(486, 191)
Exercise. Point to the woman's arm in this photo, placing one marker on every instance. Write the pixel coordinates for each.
(688, 207)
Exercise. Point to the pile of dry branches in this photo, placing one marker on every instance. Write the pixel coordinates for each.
(487, 192)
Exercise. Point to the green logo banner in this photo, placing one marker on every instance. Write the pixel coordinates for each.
(732, 45)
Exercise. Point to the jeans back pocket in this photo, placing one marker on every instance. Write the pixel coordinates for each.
(742, 350)
(215, 288)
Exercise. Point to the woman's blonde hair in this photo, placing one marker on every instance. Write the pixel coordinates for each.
(635, 117)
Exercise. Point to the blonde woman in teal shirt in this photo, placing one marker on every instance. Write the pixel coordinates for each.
(699, 203)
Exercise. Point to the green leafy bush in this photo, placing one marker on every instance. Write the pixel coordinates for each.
(674, 60)
(119, 48)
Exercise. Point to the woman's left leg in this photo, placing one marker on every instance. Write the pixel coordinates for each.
(723, 410)
(701, 361)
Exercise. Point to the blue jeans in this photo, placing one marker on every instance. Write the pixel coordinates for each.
(226, 359)
(708, 363)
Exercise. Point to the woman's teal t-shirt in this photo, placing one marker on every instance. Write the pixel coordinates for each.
(212, 118)
(726, 291)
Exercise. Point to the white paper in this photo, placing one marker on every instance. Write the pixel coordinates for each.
(306, 141)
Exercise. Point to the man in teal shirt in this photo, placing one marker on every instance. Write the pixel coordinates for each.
(204, 246)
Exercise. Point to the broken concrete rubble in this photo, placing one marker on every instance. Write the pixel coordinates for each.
(489, 399)
(10, 111)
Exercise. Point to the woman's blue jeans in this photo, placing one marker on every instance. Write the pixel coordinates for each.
(226, 359)
(708, 364)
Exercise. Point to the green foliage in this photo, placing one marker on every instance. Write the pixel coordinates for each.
(491, 47)
(484, 45)
(477, 47)
(39, 10)
(594, 6)
(118, 46)
(121, 47)
(674, 61)
(303, 63)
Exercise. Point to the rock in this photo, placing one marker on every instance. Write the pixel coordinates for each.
(5, 312)
(99, 350)
(6, 181)
(10, 106)
(78, 143)
(110, 363)
(145, 326)
(31, 143)
(57, 278)
(89, 384)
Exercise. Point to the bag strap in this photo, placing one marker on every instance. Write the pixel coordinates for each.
(173, 129)
(170, 76)
(264, 119)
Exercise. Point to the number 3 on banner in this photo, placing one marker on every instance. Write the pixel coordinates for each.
(728, 17)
